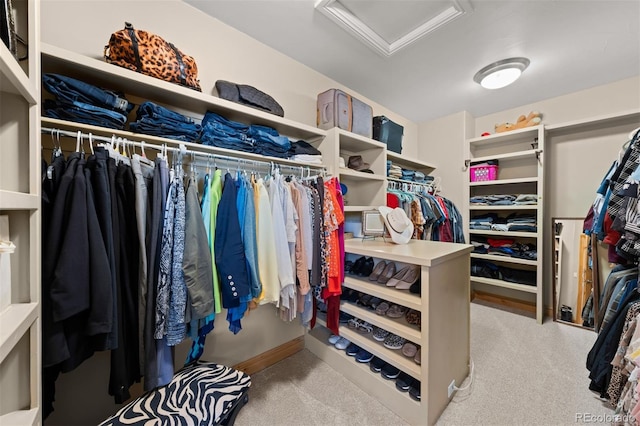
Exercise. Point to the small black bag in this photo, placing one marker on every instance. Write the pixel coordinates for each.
(248, 95)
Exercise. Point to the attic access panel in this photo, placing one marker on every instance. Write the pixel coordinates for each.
(387, 26)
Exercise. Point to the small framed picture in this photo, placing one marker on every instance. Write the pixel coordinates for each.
(372, 223)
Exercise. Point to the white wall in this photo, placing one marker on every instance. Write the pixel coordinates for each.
(441, 142)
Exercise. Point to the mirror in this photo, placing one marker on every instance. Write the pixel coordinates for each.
(572, 273)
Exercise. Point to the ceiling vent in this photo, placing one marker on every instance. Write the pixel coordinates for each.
(388, 26)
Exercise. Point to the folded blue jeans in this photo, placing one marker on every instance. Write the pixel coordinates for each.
(268, 135)
(70, 90)
(84, 113)
(186, 132)
(155, 111)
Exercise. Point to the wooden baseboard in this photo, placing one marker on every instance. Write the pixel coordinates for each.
(272, 356)
(504, 301)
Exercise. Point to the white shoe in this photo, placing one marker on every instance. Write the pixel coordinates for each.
(333, 339)
(342, 343)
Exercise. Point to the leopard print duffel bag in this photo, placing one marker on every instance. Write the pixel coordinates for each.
(150, 54)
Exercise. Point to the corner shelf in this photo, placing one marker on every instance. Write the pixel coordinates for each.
(504, 181)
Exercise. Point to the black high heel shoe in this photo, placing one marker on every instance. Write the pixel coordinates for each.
(357, 265)
(367, 267)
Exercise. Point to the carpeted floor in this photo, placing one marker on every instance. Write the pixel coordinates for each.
(524, 374)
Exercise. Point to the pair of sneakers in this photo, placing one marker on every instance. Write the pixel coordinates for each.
(339, 342)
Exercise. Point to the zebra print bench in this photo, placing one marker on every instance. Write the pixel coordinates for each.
(199, 394)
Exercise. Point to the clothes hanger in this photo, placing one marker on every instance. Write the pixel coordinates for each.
(78, 139)
(91, 143)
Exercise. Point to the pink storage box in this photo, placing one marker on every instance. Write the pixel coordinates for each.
(482, 173)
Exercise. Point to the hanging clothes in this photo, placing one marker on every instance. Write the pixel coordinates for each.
(230, 258)
(266, 243)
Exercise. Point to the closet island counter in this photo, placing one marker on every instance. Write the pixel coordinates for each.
(442, 333)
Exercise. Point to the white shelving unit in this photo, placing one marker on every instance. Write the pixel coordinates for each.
(444, 308)
(402, 160)
(20, 325)
(521, 171)
(365, 191)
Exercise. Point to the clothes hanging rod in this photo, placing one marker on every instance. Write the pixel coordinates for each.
(182, 149)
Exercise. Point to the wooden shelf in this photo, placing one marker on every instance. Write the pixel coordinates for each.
(506, 137)
(505, 284)
(390, 294)
(356, 175)
(13, 79)
(368, 343)
(517, 155)
(15, 320)
(397, 326)
(514, 207)
(103, 131)
(504, 259)
(359, 208)
(21, 417)
(11, 200)
(100, 73)
(413, 164)
(356, 143)
(504, 233)
(504, 181)
(593, 122)
(417, 252)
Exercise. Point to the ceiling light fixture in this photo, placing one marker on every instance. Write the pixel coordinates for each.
(502, 73)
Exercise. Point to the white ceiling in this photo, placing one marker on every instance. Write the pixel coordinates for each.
(572, 45)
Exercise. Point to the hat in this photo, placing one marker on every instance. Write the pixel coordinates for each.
(356, 163)
(398, 224)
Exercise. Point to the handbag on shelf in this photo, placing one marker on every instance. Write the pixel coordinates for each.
(150, 54)
(248, 95)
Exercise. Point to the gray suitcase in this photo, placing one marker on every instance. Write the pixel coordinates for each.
(338, 109)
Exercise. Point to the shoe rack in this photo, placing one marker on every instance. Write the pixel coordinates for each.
(443, 336)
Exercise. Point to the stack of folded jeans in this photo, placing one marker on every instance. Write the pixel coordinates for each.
(526, 199)
(407, 174)
(156, 120)
(483, 222)
(269, 142)
(222, 133)
(85, 103)
(486, 269)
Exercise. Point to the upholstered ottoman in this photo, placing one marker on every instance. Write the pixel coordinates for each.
(199, 394)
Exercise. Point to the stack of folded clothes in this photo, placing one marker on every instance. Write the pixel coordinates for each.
(486, 269)
(504, 200)
(517, 223)
(223, 133)
(394, 170)
(407, 174)
(85, 103)
(514, 222)
(305, 152)
(483, 222)
(504, 247)
(269, 142)
(156, 120)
